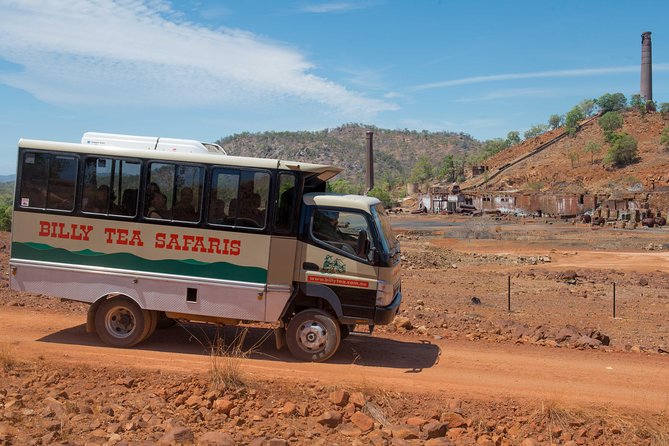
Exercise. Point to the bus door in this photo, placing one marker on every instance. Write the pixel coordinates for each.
(338, 255)
(283, 245)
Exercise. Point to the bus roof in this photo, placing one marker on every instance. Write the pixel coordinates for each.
(341, 201)
(323, 171)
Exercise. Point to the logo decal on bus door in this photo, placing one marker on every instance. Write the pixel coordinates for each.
(333, 266)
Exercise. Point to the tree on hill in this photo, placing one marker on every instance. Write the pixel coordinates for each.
(513, 138)
(611, 102)
(535, 130)
(555, 121)
(664, 109)
(610, 122)
(623, 150)
(422, 170)
(664, 138)
(592, 148)
(574, 116)
(589, 107)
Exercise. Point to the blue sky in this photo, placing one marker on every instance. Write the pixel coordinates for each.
(208, 69)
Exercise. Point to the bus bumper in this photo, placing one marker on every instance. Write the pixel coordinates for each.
(385, 315)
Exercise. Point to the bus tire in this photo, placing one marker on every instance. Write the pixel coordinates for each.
(120, 322)
(152, 318)
(313, 335)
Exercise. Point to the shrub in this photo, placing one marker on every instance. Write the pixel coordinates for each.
(574, 116)
(664, 138)
(623, 150)
(610, 122)
(611, 102)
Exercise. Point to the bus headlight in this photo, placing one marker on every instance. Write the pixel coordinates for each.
(384, 293)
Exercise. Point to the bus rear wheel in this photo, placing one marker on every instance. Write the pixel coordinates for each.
(120, 322)
(313, 335)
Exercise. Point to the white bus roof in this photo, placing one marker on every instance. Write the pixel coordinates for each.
(340, 201)
(324, 172)
(150, 143)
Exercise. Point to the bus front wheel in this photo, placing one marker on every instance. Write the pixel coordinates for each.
(313, 335)
(120, 322)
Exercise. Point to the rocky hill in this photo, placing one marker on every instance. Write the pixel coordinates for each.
(395, 151)
(565, 167)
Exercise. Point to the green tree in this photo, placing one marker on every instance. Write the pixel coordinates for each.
(623, 150)
(6, 218)
(610, 122)
(446, 168)
(382, 194)
(664, 109)
(422, 170)
(512, 138)
(555, 121)
(342, 186)
(535, 131)
(492, 147)
(574, 116)
(611, 102)
(664, 138)
(638, 103)
(592, 148)
(588, 106)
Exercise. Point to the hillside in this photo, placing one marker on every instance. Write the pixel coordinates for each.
(565, 167)
(395, 151)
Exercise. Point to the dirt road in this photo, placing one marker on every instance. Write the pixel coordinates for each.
(625, 380)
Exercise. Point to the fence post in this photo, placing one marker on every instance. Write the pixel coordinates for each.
(508, 293)
(614, 300)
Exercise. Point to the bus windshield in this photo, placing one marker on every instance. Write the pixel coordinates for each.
(388, 239)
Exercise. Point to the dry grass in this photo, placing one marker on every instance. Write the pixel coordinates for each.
(617, 427)
(7, 357)
(225, 366)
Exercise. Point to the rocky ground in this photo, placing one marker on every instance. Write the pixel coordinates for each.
(450, 293)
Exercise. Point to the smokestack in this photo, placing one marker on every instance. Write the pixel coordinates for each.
(646, 67)
(369, 168)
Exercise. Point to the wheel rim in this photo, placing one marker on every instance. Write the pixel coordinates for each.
(120, 322)
(312, 336)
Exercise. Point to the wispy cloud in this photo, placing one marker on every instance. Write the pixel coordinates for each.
(325, 8)
(506, 94)
(533, 75)
(141, 52)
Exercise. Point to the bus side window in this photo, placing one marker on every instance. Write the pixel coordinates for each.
(34, 180)
(284, 220)
(48, 181)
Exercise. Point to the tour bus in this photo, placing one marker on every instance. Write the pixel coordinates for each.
(150, 232)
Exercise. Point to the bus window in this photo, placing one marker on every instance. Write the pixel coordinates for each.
(48, 181)
(345, 231)
(174, 192)
(110, 186)
(239, 198)
(284, 221)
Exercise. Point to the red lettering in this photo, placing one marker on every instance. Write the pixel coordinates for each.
(74, 235)
(44, 228)
(136, 239)
(160, 240)
(187, 241)
(174, 242)
(235, 247)
(110, 232)
(122, 238)
(199, 244)
(225, 251)
(87, 230)
(214, 244)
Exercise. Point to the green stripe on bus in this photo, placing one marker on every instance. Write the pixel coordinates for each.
(189, 267)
